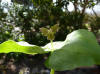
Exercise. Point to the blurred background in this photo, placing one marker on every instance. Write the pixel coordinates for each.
(21, 20)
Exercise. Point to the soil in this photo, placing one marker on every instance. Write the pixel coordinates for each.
(30, 64)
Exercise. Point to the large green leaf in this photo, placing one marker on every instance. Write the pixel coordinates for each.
(79, 49)
(23, 47)
(56, 46)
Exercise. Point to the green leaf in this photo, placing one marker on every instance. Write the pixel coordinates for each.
(44, 31)
(79, 49)
(50, 35)
(55, 28)
(23, 47)
(56, 46)
(50, 32)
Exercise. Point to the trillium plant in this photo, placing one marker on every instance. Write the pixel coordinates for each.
(79, 49)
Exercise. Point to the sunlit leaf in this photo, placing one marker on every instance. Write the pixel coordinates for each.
(23, 47)
(79, 49)
(56, 46)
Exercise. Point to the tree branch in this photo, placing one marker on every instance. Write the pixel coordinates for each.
(94, 12)
(84, 7)
(75, 5)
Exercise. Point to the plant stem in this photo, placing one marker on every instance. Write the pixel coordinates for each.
(52, 49)
(52, 70)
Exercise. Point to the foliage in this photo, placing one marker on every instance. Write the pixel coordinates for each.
(50, 32)
(4, 31)
(79, 49)
(11, 46)
(45, 13)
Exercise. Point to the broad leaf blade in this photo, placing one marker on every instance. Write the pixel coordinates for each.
(68, 61)
(56, 46)
(80, 49)
(12, 46)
